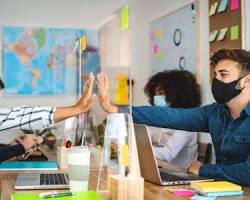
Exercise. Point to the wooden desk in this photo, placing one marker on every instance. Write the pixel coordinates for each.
(151, 191)
(7, 183)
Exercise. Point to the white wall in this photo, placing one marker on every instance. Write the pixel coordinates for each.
(142, 13)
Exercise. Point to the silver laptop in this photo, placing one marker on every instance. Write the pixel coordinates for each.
(42, 181)
(149, 167)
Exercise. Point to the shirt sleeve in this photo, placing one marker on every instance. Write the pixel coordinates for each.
(173, 146)
(28, 118)
(191, 119)
(9, 151)
(238, 173)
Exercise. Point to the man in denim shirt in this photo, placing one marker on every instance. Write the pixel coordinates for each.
(227, 120)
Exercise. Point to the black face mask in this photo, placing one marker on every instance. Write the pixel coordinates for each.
(223, 92)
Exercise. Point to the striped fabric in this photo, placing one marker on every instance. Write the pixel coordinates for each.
(31, 118)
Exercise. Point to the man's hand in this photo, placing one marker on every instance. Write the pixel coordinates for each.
(102, 84)
(195, 167)
(28, 141)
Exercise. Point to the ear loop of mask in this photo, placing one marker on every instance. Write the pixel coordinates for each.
(238, 86)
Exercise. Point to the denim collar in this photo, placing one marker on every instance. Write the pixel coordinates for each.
(225, 110)
(247, 109)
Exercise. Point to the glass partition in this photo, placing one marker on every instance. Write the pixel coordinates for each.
(105, 51)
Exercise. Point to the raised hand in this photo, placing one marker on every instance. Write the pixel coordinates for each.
(82, 106)
(103, 96)
(87, 97)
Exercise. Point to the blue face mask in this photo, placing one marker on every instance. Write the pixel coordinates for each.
(160, 100)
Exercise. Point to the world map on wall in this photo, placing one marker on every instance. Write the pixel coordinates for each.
(42, 61)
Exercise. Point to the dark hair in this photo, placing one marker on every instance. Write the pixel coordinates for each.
(240, 56)
(1, 84)
(180, 87)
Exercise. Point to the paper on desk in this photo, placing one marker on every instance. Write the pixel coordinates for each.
(90, 195)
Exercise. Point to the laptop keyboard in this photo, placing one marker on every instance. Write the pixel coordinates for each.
(52, 179)
(170, 177)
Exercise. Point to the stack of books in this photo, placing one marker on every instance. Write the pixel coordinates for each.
(217, 188)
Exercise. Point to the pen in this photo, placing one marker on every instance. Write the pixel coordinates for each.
(55, 194)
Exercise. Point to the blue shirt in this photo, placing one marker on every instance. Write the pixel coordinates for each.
(231, 137)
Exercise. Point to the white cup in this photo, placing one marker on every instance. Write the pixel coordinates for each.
(78, 168)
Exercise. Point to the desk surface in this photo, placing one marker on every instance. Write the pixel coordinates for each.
(151, 191)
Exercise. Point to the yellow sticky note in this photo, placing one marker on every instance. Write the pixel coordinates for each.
(234, 33)
(122, 90)
(124, 154)
(83, 42)
(158, 33)
(124, 18)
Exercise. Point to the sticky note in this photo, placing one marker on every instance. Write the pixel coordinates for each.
(213, 8)
(234, 32)
(213, 35)
(124, 154)
(235, 4)
(83, 42)
(160, 56)
(223, 5)
(158, 33)
(124, 18)
(182, 192)
(199, 197)
(222, 34)
(151, 35)
(155, 49)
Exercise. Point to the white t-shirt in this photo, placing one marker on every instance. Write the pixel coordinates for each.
(175, 146)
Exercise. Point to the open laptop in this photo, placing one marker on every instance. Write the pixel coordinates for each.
(42, 181)
(149, 167)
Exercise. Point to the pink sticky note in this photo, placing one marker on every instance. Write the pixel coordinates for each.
(183, 193)
(235, 4)
(155, 49)
(152, 36)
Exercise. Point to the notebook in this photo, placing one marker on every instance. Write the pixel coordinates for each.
(28, 165)
(223, 194)
(149, 167)
(89, 195)
(215, 186)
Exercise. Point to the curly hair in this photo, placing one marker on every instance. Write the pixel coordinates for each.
(180, 88)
